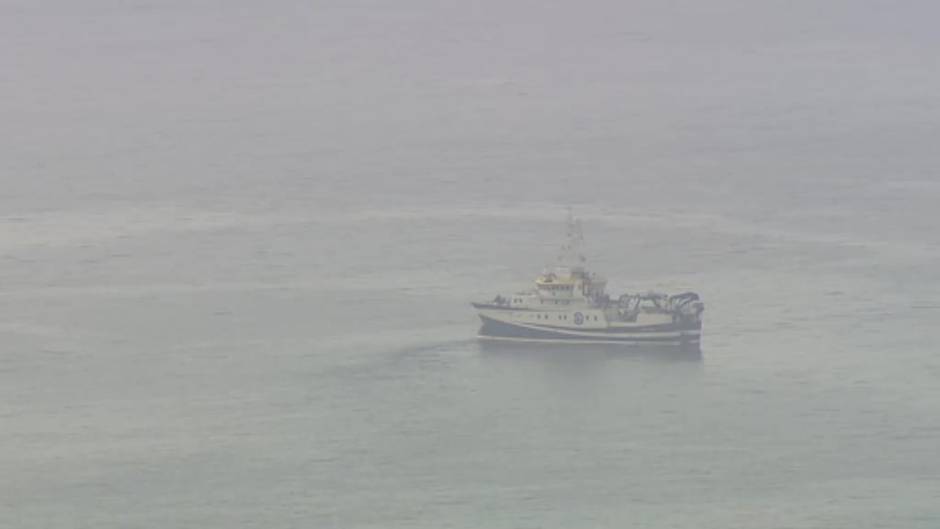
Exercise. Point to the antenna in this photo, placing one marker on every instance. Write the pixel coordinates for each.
(570, 254)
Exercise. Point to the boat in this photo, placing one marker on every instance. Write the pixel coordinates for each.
(568, 304)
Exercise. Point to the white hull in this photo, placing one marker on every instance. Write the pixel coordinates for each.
(512, 326)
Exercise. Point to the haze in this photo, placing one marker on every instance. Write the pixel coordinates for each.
(238, 242)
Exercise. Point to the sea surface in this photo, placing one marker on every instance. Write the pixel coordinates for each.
(238, 242)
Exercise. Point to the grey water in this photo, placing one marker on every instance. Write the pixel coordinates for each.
(238, 241)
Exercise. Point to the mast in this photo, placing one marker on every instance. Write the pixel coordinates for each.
(570, 254)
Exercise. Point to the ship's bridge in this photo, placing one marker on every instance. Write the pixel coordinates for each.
(552, 286)
(566, 282)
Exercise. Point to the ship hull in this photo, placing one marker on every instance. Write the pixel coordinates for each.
(675, 334)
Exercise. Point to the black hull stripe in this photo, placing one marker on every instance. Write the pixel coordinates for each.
(498, 329)
(665, 327)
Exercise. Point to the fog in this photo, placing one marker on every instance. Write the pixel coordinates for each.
(239, 241)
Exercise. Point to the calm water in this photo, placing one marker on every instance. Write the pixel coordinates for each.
(237, 245)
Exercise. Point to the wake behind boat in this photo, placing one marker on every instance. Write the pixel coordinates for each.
(569, 304)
